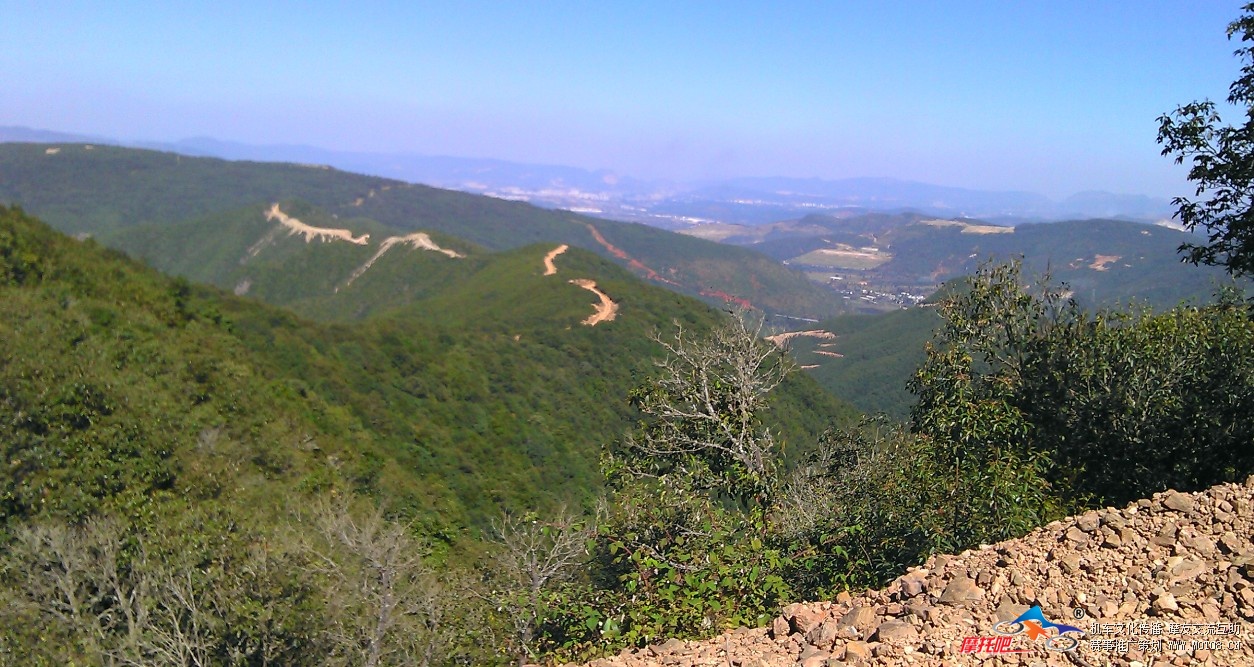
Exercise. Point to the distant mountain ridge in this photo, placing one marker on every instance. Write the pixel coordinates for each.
(749, 200)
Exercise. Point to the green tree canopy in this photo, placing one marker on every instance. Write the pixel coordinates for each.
(1221, 159)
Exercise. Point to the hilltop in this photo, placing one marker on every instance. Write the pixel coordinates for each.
(1164, 580)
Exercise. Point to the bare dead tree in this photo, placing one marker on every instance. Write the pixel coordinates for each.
(381, 596)
(79, 578)
(704, 408)
(120, 606)
(61, 582)
(182, 632)
(532, 555)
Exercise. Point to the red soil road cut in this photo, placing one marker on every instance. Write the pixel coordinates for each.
(631, 261)
(654, 275)
(743, 303)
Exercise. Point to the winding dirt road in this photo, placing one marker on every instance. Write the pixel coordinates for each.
(549, 267)
(606, 311)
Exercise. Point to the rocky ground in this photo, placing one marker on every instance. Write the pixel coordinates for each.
(1164, 581)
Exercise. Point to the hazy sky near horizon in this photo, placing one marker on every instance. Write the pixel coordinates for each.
(1053, 97)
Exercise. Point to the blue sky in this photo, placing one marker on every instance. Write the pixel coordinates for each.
(1053, 97)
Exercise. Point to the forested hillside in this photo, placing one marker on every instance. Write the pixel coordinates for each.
(178, 410)
(868, 358)
(103, 189)
(501, 402)
(181, 456)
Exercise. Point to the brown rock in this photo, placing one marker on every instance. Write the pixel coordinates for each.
(667, 647)
(911, 587)
(1233, 544)
(961, 590)
(804, 617)
(857, 651)
(1166, 603)
(1174, 500)
(861, 618)
(1070, 563)
(823, 635)
(819, 659)
(1166, 537)
(780, 627)
(1008, 610)
(811, 651)
(896, 631)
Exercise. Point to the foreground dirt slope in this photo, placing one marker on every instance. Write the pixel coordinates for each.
(1163, 581)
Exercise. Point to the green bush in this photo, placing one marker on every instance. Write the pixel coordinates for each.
(1029, 409)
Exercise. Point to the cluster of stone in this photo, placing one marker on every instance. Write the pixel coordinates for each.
(1164, 581)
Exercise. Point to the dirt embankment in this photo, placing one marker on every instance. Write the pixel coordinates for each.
(419, 240)
(1103, 262)
(782, 339)
(622, 254)
(297, 228)
(1167, 580)
(606, 310)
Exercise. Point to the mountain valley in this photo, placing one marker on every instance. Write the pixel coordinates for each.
(461, 362)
